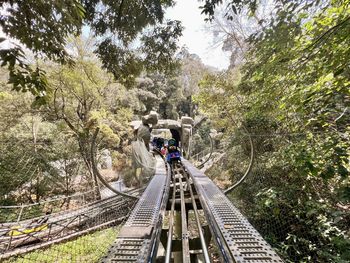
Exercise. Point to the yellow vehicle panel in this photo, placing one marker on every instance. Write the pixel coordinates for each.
(17, 230)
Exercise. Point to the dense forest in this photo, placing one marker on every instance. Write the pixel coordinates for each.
(287, 87)
(70, 67)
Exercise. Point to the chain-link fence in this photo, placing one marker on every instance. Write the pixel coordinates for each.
(294, 193)
(49, 209)
(87, 248)
(27, 240)
(17, 213)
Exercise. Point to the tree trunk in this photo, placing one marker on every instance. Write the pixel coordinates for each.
(84, 146)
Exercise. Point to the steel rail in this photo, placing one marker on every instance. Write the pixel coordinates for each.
(161, 216)
(237, 239)
(184, 230)
(171, 223)
(139, 237)
(200, 231)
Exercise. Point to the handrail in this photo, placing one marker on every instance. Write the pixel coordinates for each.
(252, 156)
(211, 153)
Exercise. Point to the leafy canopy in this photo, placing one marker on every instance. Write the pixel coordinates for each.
(292, 94)
(43, 27)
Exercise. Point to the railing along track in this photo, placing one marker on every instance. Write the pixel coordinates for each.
(62, 226)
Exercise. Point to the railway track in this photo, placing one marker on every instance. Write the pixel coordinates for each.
(234, 236)
(179, 214)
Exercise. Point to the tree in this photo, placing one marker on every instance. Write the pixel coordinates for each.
(232, 7)
(86, 97)
(46, 151)
(192, 71)
(43, 28)
(292, 95)
(26, 156)
(232, 34)
(159, 92)
(171, 94)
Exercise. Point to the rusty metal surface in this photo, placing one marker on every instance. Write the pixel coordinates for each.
(237, 239)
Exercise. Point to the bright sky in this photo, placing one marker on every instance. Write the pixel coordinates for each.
(194, 36)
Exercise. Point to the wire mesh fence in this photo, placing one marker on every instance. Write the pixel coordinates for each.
(16, 213)
(20, 240)
(87, 248)
(49, 207)
(294, 194)
(204, 147)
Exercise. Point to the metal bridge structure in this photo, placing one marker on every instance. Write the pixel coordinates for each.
(176, 217)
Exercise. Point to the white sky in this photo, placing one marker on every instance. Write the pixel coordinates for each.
(194, 36)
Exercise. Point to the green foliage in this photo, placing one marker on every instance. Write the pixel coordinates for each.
(232, 6)
(26, 155)
(160, 45)
(200, 139)
(292, 95)
(43, 28)
(171, 94)
(45, 151)
(85, 97)
(23, 77)
(88, 248)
